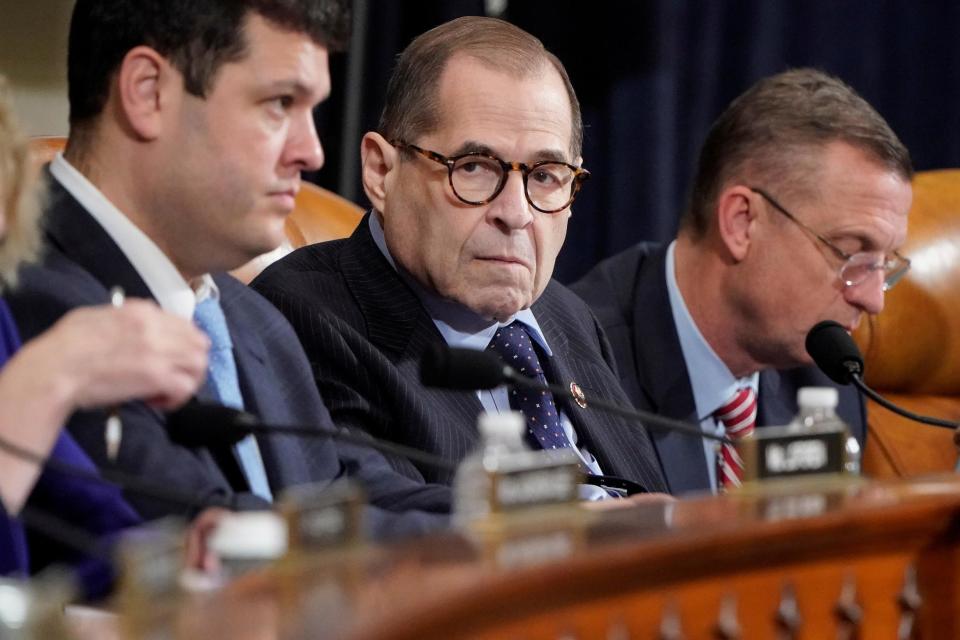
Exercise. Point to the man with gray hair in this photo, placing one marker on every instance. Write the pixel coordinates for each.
(471, 176)
(797, 209)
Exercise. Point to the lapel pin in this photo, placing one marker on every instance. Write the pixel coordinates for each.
(578, 395)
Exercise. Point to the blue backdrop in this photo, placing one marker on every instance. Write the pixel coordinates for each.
(651, 77)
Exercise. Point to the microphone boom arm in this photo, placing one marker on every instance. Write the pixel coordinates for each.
(883, 402)
(647, 418)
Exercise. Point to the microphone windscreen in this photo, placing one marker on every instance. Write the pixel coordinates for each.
(202, 424)
(834, 351)
(461, 369)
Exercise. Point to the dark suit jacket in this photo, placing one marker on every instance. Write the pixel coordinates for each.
(81, 263)
(628, 292)
(364, 331)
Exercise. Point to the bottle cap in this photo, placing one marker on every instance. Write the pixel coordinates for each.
(250, 535)
(506, 428)
(817, 397)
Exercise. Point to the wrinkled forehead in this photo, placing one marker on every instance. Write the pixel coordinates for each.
(504, 110)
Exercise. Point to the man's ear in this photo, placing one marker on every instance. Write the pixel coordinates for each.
(736, 220)
(378, 158)
(141, 83)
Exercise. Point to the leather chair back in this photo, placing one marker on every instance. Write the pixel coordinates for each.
(912, 348)
(318, 215)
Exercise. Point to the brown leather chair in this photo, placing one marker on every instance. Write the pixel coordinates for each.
(44, 148)
(912, 348)
(318, 214)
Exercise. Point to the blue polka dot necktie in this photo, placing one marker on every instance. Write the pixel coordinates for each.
(515, 347)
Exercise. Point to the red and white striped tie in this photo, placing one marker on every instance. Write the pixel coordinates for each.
(738, 416)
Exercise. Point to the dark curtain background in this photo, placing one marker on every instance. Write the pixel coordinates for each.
(651, 77)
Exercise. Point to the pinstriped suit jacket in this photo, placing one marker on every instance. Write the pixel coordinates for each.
(363, 330)
(81, 262)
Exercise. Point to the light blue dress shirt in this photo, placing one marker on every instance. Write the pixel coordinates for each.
(461, 327)
(710, 379)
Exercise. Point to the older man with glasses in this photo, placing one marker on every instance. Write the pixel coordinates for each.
(797, 209)
(471, 175)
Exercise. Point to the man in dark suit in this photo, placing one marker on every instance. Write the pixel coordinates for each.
(190, 124)
(471, 176)
(798, 206)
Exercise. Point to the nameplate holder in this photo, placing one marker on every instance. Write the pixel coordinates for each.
(150, 559)
(321, 517)
(34, 608)
(530, 479)
(784, 452)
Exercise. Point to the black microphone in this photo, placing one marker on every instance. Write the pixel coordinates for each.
(471, 370)
(201, 424)
(465, 370)
(834, 351)
(837, 355)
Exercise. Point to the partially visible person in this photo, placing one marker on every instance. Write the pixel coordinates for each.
(796, 212)
(92, 357)
(472, 174)
(190, 124)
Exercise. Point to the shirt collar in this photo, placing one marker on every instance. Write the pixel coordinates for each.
(171, 291)
(710, 379)
(458, 325)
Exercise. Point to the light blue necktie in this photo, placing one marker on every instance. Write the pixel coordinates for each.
(222, 376)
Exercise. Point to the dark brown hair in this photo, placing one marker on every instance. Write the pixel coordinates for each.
(770, 130)
(197, 36)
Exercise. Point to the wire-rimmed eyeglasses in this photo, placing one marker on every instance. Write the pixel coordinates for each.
(857, 267)
(477, 178)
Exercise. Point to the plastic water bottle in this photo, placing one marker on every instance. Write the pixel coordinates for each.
(501, 437)
(818, 412)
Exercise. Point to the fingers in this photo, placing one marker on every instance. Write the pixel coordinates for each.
(197, 554)
(133, 352)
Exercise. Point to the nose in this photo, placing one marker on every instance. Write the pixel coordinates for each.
(303, 144)
(510, 209)
(867, 295)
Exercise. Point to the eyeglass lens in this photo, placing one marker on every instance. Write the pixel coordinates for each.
(861, 266)
(477, 179)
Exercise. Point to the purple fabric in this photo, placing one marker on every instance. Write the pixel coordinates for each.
(13, 544)
(95, 507)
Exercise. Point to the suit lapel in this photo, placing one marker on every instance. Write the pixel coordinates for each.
(775, 405)
(75, 233)
(663, 378)
(398, 325)
(621, 447)
(284, 463)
